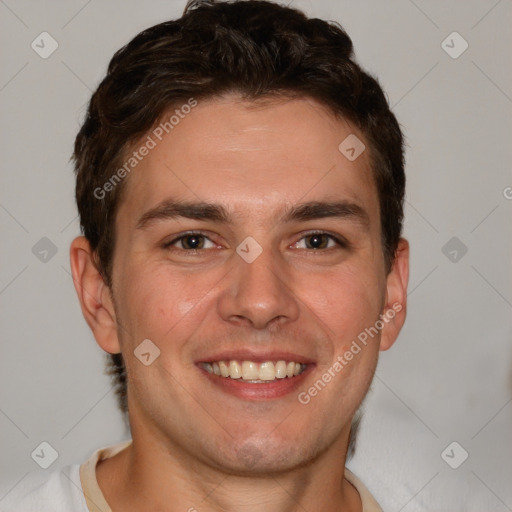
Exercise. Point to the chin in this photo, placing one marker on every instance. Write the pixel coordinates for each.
(263, 457)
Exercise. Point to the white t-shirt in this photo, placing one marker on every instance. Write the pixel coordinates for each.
(74, 488)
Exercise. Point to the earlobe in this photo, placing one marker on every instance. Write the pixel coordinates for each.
(396, 296)
(94, 295)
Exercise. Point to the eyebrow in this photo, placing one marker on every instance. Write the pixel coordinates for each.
(205, 211)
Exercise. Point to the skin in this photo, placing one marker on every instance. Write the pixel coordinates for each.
(195, 445)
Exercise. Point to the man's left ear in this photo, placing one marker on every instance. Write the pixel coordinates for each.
(396, 296)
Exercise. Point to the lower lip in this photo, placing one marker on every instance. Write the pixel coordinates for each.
(258, 391)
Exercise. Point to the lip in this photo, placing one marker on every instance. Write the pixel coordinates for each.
(261, 391)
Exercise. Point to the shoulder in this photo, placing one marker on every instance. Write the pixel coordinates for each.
(59, 491)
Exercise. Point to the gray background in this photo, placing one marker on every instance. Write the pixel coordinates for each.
(449, 376)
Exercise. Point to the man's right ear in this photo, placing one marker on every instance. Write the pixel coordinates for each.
(94, 295)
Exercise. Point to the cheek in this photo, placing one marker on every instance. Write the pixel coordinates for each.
(147, 301)
(346, 300)
(161, 303)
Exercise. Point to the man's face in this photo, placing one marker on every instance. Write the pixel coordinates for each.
(211, 296)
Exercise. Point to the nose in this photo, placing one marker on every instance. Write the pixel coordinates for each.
(258, 294)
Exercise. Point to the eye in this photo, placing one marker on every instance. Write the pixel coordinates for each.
(319, 241)
(191, 242)
(195, 241)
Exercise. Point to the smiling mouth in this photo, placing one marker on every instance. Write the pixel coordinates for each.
(253, 372)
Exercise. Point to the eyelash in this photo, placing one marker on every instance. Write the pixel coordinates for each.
(341, 242)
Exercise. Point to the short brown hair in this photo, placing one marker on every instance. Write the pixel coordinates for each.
(255, 49)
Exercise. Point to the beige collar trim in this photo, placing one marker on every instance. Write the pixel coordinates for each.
(93, 496)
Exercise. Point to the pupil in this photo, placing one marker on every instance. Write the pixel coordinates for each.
(316, 241)
(193, 241)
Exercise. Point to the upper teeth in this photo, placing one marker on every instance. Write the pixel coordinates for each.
(249, 370)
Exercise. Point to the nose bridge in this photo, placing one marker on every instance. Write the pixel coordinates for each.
(257, 292)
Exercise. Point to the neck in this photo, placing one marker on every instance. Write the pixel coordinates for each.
(150, 475)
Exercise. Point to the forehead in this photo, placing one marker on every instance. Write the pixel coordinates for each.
(251, 157)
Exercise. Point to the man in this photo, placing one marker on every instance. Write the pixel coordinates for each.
(240, 187)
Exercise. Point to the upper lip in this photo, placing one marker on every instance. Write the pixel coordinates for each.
(259, 356)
